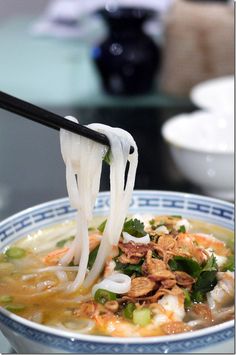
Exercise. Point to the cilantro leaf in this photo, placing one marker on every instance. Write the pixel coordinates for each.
(134, 227)
(181, 263)
(211, 264)
(206, 280)
(129, 269)
(182, 229)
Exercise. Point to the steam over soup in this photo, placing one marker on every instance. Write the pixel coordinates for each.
(167, 275)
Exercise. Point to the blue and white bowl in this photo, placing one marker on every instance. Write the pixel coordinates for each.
(27, 337)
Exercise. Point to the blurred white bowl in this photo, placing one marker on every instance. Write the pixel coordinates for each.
(215, 95)
(202, 146)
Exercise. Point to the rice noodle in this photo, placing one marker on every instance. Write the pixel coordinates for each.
(28, 277)
(62, 276)
(120, 141)
(129, 238)
(81, 326)
(83, 159)
(57, 268)
(52, 235)
(117, 283)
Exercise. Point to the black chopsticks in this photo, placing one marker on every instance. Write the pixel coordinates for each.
(49, 119)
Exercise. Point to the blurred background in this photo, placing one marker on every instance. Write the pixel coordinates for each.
(131, 64)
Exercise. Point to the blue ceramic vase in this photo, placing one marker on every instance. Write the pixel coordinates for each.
(128, 59)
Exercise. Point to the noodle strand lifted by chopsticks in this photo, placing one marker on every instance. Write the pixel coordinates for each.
(83, 159)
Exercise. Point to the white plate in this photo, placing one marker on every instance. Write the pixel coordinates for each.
(215, 95)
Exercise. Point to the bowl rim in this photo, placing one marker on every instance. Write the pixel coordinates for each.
(200, 89)
(175, 144)
(120, 340)
(104, 193)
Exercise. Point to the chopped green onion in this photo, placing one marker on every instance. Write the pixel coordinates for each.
(103, 296)
(129, 310)
(62, 242)
(182, 229)
(6, 299)
(91, 229)
(198, 296)
(152, 222)
(142, 316)
(176, 216)
(187, 298)
(15, 307)
(15, 253)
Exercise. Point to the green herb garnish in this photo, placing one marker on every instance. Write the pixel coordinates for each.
(62, 242)
(187, 298)
(229, 265)
(6, 299)
(102, 226)
(15, 253)
(107, 157)
(129, 269)
(92, 257)
(181, 263)
(129, 310)
(198, 296)
(182, 229)
(103, 296)
(152, 222)
(135, 228)
(206, 280)
(142, 316)
(15, 308)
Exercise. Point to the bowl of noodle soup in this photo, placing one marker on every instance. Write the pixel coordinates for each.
(27, 334)
(116, 272)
